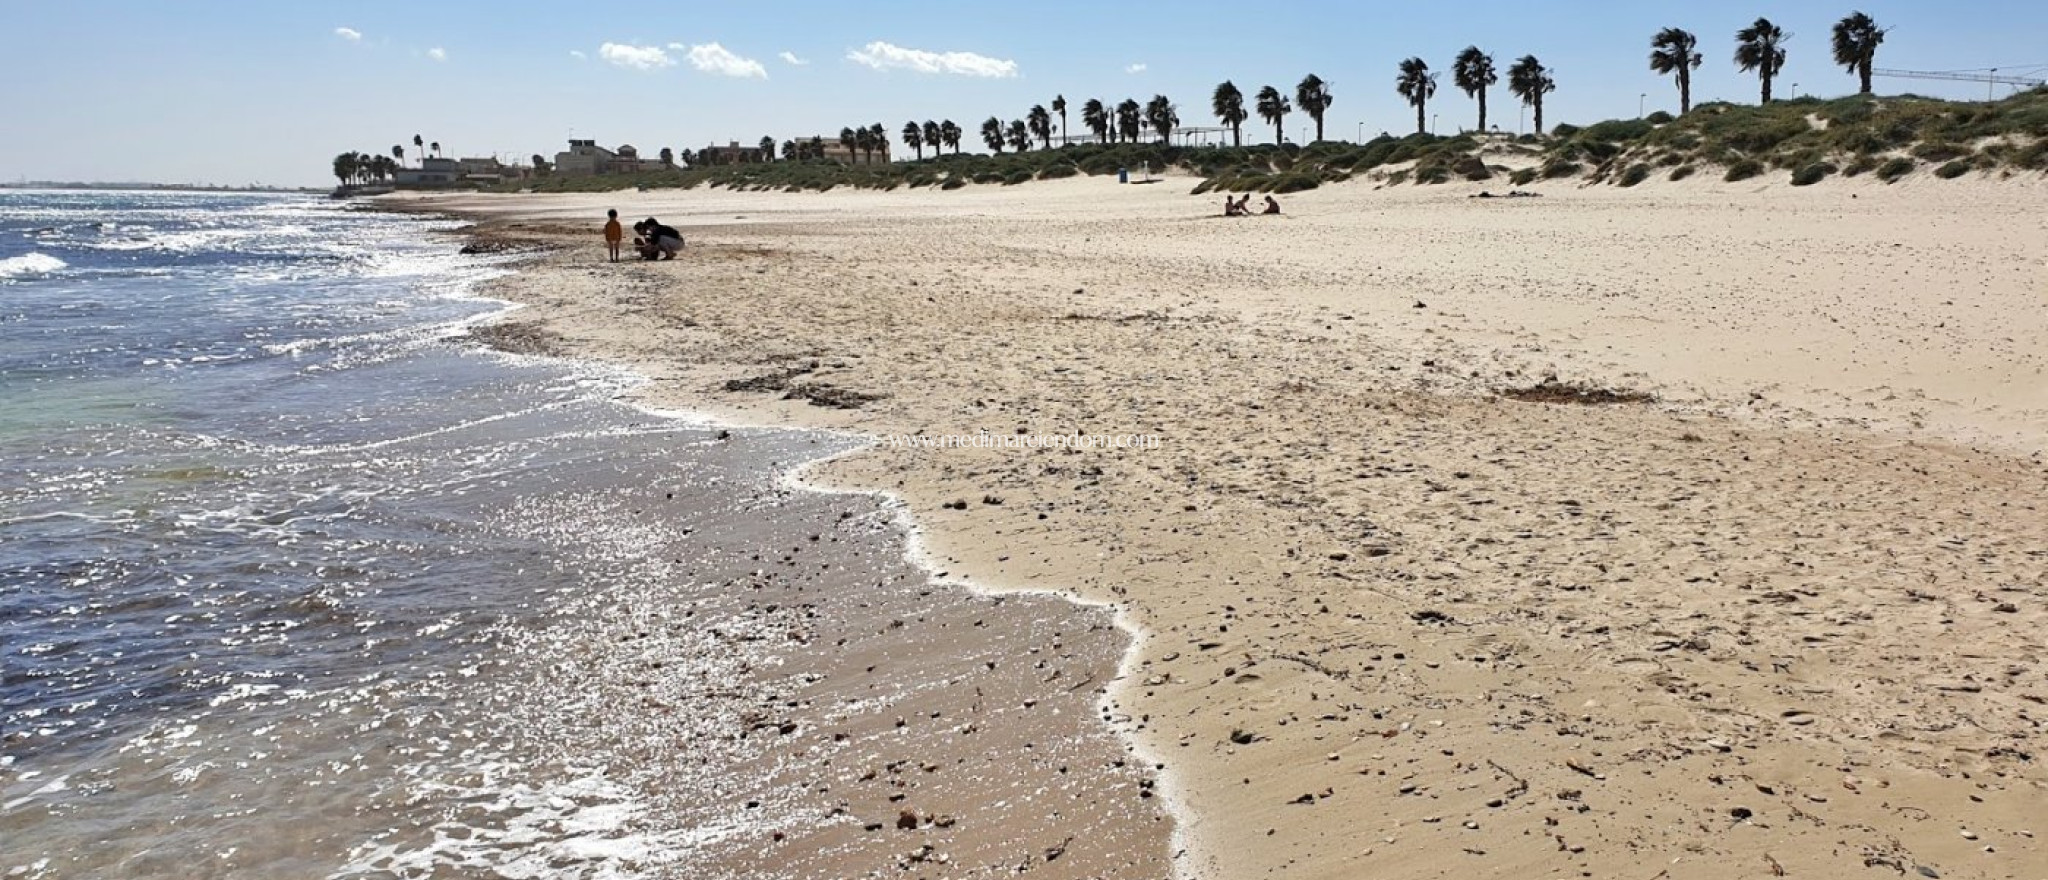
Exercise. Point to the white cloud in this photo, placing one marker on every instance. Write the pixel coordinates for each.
(350, 34)
(886, 56)
(578, 55)
(790, 58)
(636, 57)
(1138, 67)
(714, 58)
(437, 53)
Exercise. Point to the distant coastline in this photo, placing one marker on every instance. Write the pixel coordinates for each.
(168, 187)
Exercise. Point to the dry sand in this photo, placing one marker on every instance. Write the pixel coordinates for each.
(1786, 620)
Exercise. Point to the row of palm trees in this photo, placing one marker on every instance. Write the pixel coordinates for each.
(357, 168)
(1760, 47)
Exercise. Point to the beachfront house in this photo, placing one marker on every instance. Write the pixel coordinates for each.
(584, 158)
(432, 171)
(731, 154)
(627, 161)
(839, 152)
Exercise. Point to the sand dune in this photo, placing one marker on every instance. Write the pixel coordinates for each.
(1788, 618)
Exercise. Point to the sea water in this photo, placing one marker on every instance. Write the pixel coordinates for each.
(298, 581)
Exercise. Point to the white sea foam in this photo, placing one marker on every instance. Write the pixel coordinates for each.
(30, 264)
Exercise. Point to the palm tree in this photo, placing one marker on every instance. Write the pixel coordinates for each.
(1096, 118)
(864, 141)
(1530, 81)
(992, 134)
(1041, 125)
(767, 146)
(419, 146)
(1273, 108)
(1856, 40)
(1473, 72)
(1129, 120)
(913, 137)
(540, 164)
(436, 147)
(1162, 116)
(1019, 135)
(1761, 47)
(932, 136)
(344, 167)
(1313, 97)
(1228, 105)
(851, 141)
(950, 134)
(1418, 85)
(878, 140)
(398, 152)
(668, 156)
(1059, 105)
(1673, 51)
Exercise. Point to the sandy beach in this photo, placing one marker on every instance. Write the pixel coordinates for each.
(1411, 598)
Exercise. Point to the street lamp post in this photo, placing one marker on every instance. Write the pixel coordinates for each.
(1361, 132)
(1640, 99)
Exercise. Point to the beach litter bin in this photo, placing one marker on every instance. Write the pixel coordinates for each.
(1123, 175)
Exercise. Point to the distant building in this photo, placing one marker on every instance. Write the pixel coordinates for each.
(584, 158)
(731, 154)
(587, 158)
(838, 152)
(432, 171)
(627, 161)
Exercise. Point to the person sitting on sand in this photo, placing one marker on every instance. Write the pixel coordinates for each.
(1272, 206)
(1229, 206)
(613, 233)
(663, 240)
(1244, 205)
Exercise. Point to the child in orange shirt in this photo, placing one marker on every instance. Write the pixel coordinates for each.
(613, 233)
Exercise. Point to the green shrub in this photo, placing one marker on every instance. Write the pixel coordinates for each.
(1940, 152)
(1682, 172)
(1661, 118)
(1808, 175)
(1287, 183)
(2034, 157)
(1670, 160)
(1615, 130)
(1863, 165)
(1058, 172)
(1523, 176)
(1635, 174)
(953, 183)
(1953, 170)
(1898, 167)
(1557, 168)
(1744, 170)
(1564, 130)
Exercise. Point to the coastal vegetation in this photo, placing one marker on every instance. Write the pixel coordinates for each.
(1804, 139)
(1800, 139)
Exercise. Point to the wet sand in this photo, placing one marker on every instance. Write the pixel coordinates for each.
(1784, 617)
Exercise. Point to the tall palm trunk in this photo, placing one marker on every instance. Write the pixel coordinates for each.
(1482, 111)
(1539, 112)
(1684, 91)
(1767, 90)
(1421, 125)
(1863, 73)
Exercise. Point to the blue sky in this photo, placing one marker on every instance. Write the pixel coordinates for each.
(241, 92)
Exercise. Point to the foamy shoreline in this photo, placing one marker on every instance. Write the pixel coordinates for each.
(1376, 517)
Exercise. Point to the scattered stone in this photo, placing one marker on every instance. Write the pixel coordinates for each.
(906, 820)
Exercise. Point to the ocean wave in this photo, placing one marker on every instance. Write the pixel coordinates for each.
(30, 264)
